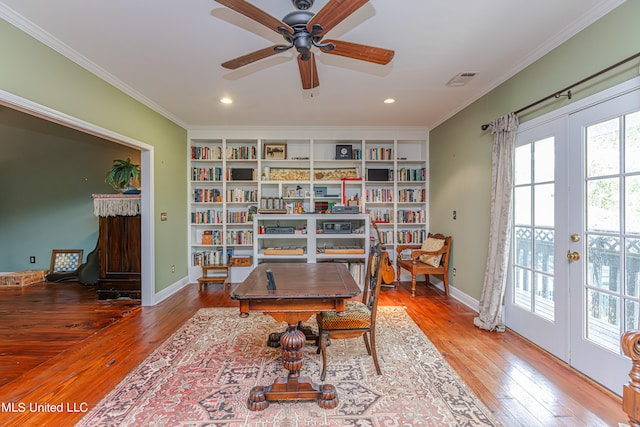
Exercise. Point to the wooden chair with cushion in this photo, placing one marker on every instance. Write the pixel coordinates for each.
(432, 257)
(359, 318)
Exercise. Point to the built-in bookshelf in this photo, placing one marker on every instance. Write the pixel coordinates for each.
(313, 238)
(231, 179)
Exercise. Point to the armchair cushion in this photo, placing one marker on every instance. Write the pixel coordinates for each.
(432, 245)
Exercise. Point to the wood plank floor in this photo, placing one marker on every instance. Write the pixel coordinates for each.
(59, 345)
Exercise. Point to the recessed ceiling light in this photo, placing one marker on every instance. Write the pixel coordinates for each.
(389, 101)
(226, 100)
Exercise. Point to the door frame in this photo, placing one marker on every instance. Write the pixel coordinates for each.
(148, 295)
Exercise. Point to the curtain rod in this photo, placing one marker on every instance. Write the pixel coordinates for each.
(559, 93)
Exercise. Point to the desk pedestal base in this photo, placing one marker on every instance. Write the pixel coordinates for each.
(293, 387)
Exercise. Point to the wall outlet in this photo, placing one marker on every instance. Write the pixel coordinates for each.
(454, 272)
(173, 268)
(32, 259)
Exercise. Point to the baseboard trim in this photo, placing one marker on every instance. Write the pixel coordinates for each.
(170, 290)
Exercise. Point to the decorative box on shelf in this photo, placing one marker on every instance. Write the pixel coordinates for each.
(246, 261)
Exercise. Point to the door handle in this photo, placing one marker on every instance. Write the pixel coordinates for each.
(573, 256)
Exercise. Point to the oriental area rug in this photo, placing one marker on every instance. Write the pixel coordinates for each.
(202, 375)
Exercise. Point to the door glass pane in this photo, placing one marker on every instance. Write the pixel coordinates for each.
(523, 246)
(543, 296)
(522, 287)
(544, 205)
(603, 205)
(603, 148)
(603, 319)
(632, 204)
(533, 248)
(522, 165)
(544, 251)
(632, 314)
(632, 285)
(603, 262)
(544, 160)
(522, 205)
(632, 142)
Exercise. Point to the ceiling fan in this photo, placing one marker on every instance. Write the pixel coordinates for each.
(303, 29)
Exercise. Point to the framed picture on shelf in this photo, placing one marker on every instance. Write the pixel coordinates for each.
(275, 151)
(65, 260)
(343, 152)
(320, 191)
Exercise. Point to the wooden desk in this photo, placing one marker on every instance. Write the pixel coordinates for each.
(301, 291)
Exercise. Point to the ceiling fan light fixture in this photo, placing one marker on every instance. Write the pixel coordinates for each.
(302, 4)
(297, 17)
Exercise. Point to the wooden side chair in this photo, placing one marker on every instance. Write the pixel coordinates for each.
(359, 318)
(432, 257)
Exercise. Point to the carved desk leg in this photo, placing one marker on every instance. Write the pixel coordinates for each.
(293, 387)
(630, 343)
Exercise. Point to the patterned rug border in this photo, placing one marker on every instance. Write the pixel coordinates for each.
(125, 404)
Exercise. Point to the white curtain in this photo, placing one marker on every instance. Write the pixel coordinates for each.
(495, 275)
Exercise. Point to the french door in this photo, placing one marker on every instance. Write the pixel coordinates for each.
(574, 286)
(537, 290)
(605, 211)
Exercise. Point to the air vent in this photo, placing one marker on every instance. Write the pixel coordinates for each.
(461, 79)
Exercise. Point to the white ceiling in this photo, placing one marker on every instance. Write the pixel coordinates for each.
(167, 54)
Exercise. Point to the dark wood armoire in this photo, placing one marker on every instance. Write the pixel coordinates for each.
(120, 254)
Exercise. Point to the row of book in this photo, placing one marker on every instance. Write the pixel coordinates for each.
(409, 175)
(384, 195)
(412, 195)
(239, 237)
(411, 236)
(206, 153)
(206, 195)
(380, 153)
(242, 196)
(240, 217)
(207, 217)
(241, 153)
(386, 237)
(381, 215)
(206, 174)
(212, 257)
(411, 216)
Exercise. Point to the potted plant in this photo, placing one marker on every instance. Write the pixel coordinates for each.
(122, 174)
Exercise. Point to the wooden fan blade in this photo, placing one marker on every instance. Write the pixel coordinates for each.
(250, 57)
(308, 72)
(333, 13)
(377, 55)
(252, 12)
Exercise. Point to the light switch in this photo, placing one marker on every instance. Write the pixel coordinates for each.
(163, 216)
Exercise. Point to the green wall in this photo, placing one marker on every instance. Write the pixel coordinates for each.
(47, 175)
(33, 71)
(460, 152)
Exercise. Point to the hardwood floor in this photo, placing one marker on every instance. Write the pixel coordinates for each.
(60, 346)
